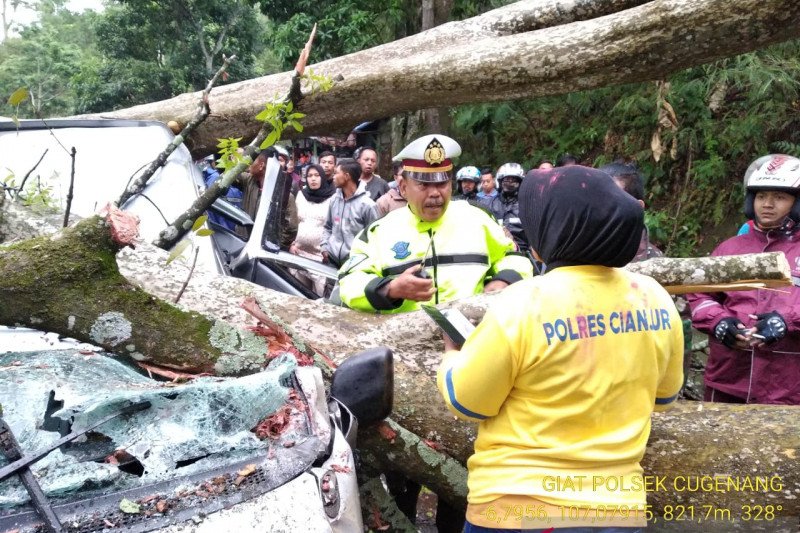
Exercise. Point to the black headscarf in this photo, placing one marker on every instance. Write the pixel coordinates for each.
(577, 215)
(326, 187)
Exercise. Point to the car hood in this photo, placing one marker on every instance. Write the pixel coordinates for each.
(188, 429)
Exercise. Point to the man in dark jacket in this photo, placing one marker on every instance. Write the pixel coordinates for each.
(505, 206)
(467, 181)
(350, 211)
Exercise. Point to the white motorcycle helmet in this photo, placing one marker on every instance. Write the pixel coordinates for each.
(774, 172)
(510, 170)
(469, 173)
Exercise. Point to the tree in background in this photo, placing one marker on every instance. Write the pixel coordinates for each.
(134, 52)
(346, 26)
(154, 50)
(45, 56)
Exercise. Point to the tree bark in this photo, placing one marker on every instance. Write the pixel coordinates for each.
(527, 49)
(425, 442)
(716, 274)
(69, 283)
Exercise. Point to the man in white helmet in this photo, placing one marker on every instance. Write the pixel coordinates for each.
(431, 251)
(505, 206)
(467, 181)
(754, 336)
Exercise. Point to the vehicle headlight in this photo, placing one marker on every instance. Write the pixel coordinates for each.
(329, 492)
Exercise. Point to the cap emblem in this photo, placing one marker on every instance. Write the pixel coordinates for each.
(434, 153)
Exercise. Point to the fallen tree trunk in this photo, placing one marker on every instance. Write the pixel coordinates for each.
(67, 277)
(719, 273)
(426, 442)
(528, 49)
(69, 283)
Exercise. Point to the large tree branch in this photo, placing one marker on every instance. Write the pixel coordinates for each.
(527, 49)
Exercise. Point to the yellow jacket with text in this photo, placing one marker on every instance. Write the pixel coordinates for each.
(562, 376)
(463, 250)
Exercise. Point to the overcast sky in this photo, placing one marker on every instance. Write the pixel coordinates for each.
(25, 16)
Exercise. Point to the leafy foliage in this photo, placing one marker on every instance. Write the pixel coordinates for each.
(343, 26)
(229, 153)
(44, 58)
(39, 198)
(135, 51)
(728, 112)
(188, 243)
(155, 50)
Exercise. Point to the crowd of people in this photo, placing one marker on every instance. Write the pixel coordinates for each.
(566, 367)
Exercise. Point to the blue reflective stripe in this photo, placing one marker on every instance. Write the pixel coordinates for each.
(662, 401)
(452, 394)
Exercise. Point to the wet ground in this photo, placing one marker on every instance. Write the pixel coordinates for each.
(426, 512)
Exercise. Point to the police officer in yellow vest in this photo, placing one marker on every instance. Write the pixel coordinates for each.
(464, 250)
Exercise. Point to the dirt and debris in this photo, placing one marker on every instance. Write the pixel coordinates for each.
(275, 424)
(174, 375)
(387, 432)
(155, 505)
(119, 457)
(376, 520)
(129, 507)
(123, 224)
(247, 470)
(278, 341)
(433, 444)
(280, 421)
(243, 473)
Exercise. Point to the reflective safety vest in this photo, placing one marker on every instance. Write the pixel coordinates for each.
(463, 250)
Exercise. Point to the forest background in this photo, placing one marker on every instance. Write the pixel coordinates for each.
(692, 135)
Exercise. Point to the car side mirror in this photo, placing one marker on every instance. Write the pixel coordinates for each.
(364, 383)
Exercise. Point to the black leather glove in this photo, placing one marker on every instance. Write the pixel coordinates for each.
(726, 330)
(771, 326)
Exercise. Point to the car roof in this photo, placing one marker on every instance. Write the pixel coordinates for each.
(56, 123)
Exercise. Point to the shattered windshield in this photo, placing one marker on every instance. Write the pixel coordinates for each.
(188, 428)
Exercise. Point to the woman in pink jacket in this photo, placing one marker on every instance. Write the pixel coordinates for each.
(754, 336)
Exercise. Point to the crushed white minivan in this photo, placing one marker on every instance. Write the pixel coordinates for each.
(88, 442)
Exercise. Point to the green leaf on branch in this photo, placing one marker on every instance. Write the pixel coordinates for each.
(317, 82)
(229, 153)
(18, 96)
(199, 222)
(271, 139)
(205, 232)
(262, 117)
(178, 250)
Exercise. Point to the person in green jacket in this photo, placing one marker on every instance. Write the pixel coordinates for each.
(432, 251)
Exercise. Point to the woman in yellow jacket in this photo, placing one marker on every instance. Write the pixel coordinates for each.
(565, 369)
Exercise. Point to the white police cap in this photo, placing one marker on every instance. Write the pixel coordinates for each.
(428, 158)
